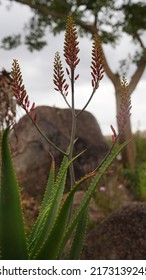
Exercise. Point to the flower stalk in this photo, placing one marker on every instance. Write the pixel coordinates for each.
(22, 99)
(125, 110)
(97, 69)
(71, 51)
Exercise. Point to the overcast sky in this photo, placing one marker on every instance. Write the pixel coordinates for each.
(37, 72)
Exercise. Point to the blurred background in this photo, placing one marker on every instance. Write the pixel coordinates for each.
(32, 31)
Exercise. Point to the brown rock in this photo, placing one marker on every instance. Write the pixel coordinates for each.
(121, 236)
(31, 152)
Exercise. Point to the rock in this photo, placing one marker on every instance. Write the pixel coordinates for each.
(31, 152)
(121, 236)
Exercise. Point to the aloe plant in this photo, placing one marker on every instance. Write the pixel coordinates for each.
(13, 243)
(51, 230)
(55, 222)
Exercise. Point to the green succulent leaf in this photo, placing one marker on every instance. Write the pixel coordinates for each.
(48, 216)
(45, 203)
(51, 246)
(50, 189)
(86, 199)
(61, 231)
(13, 244)
(78, 241)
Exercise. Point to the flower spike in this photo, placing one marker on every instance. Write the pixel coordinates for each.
(71, 48)
(125, 105)
(19, 89)
(114, 136)
(125, 108)
(59, 80)
(97, 70)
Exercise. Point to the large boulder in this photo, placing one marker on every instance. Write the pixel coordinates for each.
(121, 236)
(31, 151)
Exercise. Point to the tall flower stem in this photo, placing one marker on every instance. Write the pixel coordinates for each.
(83, 109)
(73, 129)
(71, 51)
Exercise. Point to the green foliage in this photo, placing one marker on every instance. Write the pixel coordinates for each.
(90, 191)
(142, 181)
(134, 18)
(78, 241)
(128, 17)
(140, 148)
(62, 7)
(136, 179)
(35, 38)
(132, 180)
(51, 230)
(11, 42)
(12, 236)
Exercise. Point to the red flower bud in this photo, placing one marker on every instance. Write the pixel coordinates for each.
(67, 71)
(77, 77)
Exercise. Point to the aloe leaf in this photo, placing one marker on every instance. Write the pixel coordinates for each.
(49, 188)
(13, 244)
(50, 248)
(90, 192)
(78, 241)
(47, 217)
(45, 203)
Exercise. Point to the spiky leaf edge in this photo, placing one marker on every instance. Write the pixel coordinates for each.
(89, 193)
(48, 216)
(12, 233)
(79, 236)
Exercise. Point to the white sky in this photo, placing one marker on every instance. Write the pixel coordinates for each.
(37, 72)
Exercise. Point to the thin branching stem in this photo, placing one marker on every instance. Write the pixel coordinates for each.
(45, 137)
(107, 154)
(65, 99)
(84, 108)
